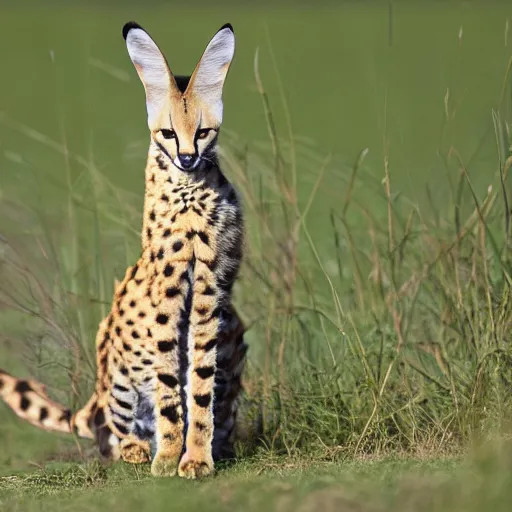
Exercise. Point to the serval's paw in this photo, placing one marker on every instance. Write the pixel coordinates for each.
(195, 468)
(164, 465)
(135, 452)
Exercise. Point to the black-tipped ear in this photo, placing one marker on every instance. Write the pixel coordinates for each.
(128, 26)
(227, 25)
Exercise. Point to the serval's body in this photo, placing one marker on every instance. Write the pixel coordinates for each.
(170, 354)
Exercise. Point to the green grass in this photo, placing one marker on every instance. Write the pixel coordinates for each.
(372, 147)
(275, 483)
(251, 485)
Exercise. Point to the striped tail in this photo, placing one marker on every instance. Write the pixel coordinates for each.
(29, 401)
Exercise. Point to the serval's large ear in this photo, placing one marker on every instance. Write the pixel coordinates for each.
(152, 68)
(208, 78)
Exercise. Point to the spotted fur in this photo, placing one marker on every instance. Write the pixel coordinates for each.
(171, 353)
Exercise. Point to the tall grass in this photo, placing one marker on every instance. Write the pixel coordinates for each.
(389, 330)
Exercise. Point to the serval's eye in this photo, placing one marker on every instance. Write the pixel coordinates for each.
(202, 133)
(168, 134)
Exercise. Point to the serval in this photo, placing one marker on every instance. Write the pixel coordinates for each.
(171, 352)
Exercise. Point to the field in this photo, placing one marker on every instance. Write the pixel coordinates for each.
(371, 143)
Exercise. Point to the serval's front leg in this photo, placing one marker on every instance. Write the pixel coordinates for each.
(197, 461)
(168, 403)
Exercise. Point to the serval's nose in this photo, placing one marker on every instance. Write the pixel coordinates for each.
(187, 161)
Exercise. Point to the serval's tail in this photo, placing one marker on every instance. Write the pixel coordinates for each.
(29, 400)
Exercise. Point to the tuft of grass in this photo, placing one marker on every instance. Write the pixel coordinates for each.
(54, 481)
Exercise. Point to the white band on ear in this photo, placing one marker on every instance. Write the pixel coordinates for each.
(208, 78)
(151, 67)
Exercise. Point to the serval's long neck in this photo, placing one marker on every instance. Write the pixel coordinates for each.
(170, 192)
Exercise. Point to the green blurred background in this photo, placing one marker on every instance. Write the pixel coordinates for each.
(355, 75)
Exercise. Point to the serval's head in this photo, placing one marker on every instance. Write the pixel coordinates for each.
(184, 113)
